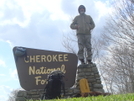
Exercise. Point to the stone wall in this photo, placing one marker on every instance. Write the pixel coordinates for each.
(32, 94)
(36, 94)
(88, 71)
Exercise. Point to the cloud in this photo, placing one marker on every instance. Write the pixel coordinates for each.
(3, 97)
(2, 75)
(11, 13)
(13, 74)
(40, 24)
(2, 63)
(8, 74)
(42, 27)
(10, 43)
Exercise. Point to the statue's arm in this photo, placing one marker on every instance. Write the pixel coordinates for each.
(74, 24)
(92, 24)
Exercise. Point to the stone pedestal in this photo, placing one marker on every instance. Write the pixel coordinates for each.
(90, 72)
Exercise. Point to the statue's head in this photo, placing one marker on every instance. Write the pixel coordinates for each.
(81, 9)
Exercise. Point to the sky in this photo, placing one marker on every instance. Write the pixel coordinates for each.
(39, 24)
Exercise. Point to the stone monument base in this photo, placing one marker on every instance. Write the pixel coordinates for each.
(91, 73)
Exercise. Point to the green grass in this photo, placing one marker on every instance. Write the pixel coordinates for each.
(121, 97)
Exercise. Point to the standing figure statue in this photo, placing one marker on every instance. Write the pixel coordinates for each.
(83, 24)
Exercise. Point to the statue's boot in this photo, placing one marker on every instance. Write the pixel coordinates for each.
(82, 61)
(89, 61)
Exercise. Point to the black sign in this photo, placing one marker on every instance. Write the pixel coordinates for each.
(34, 65)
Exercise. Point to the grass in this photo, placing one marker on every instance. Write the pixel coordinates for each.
(121, 97)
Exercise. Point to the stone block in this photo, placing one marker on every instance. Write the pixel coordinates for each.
(93, 65)
(76, 91)
(96, 72)
(34, 90)
(83, 66)
(92, 73)
(35, 96)
(97, 75)
(87, 74)
(20, 99)
(98, 81)
(78, 78)
(31, 92)
(91, 80)
(22, 94)
(81, 74)
(40, 90)
(94, 69)
(98, 78)
(98, 86)
(91, 77)
(79, 69)
(98, 90)
(89, 69)
(70, 90)
(89, 66)
(29, 96)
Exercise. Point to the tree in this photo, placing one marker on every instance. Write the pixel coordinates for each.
(117, 63)
(70, 43)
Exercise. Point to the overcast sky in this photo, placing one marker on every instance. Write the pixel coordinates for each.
(39, 24)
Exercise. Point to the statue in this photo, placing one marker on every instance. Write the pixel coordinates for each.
(83, 24)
